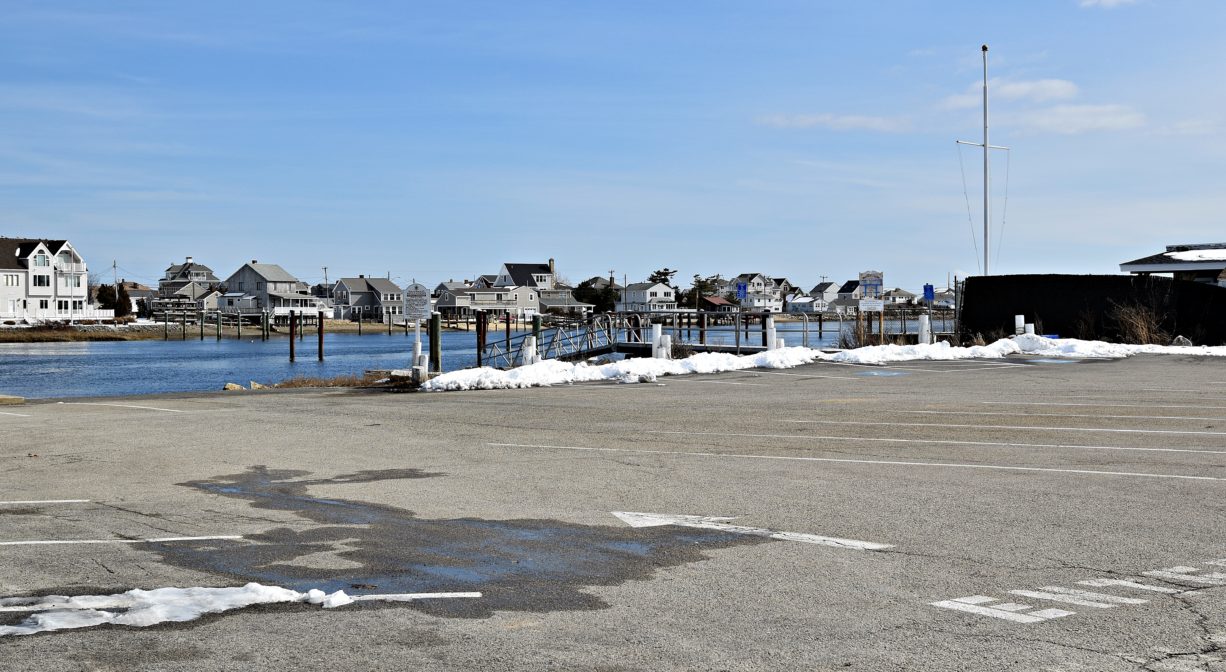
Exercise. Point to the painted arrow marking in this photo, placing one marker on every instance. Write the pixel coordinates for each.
(635, 519)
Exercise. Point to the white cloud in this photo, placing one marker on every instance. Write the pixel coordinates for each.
(836, 122)
(1074, 119)
(1035, 91)
(1109, 4)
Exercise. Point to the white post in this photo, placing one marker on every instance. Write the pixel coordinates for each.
(1019, 324)
(1030, 328)
(925, 330)
(417, 344)
(657, 331)
(770, 334)
(665, 351)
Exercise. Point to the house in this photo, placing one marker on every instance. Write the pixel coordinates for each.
(366, 298)
(825, 292)
(780, 287)
(267, 287)
(898, 296)
(136, 292)
(799, 303)
(540, 276)
(1196, 262)
(44, 280)
(755, 283)
(517, 301)
(717, 304)
(179, 275)
(850, 291)
(450, 286)
(762, 302)
(597, 282)
(646, 297)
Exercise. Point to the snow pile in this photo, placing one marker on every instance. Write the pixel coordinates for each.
(554, 372)
(884, 354)
(1218, 254)
(1031, 344)
(142, 608)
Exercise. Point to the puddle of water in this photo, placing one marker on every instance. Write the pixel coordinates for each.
(523, 565)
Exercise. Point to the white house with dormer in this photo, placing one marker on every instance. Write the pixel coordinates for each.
(646, 297)
(44, 280)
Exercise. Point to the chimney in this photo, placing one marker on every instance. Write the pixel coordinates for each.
(255, 261)
(361, 275)
(189, 260)
(551, 265)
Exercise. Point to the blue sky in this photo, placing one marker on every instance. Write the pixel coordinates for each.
(436, 140)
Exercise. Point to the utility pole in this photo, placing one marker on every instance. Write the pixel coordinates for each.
(325, 277)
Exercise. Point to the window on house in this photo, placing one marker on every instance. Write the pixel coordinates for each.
(12, 280)
(76, 281)
(40, 259)
(78, 305)
(61, 306)
(240, 286)
(42, 281)
(42, 304)
(258, 286)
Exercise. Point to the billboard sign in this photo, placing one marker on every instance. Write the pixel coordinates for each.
(871, 284)
(416, 303)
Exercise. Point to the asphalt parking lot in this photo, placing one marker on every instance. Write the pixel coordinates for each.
(1018, 514)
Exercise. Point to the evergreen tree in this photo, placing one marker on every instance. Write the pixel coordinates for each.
(106, 297)
(123, 302)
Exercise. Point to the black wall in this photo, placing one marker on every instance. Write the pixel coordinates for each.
(1083, 306)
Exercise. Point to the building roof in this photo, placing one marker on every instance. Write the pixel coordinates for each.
(564, 302)
(1178, 258)
(644, 285)
(600, 283)
(522, 274)
(13, 251)
(821, 287)
(374, 285)
(271, 272)
(183, 271)
(849, 287)
(193, 290)
(898, 291)
(716, 301)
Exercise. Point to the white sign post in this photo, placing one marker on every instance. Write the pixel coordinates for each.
(872, 305)
(417, 308)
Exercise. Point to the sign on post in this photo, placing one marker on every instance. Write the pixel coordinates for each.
(930, 294)
(742, 291)
(416, 303)
(871, 284)
(872, 305)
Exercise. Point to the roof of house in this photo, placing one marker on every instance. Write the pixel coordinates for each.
(178, 271)
(644, 285)
(523, 274)
(1189, 257)
(193, 290)
(563, 302)
(600, 283)
(15, 250)
(748, 276)
(716, 301)
(898, 291)
(374, 285)
(271, 272)
(849, 287)
(821, 287)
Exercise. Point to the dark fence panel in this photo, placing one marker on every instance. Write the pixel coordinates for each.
(1088, 306)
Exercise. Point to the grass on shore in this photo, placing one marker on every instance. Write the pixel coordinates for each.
(348, 380)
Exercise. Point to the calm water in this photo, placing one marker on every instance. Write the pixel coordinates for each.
(45, 370)
(42, 370)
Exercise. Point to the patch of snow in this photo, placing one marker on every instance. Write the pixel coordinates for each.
(142, 608)
(1198, 255)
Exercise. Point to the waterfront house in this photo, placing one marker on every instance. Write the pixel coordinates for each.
(366, 298)
(899, 295)
(850, 292)
(755, 283)
(762, 302)
(177, 276)
(267, 287)
(799, 303)
(717, 304)
(646, 297)
(824, 292)
(535, 275)
(44, 280)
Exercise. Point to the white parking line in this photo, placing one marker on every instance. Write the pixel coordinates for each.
(98, 403)
(1102, 405)
(44, 501)
(947, 442)
(1043, 429)
(56, 542)
(1064, 415)
(901, 463)
(806, 375)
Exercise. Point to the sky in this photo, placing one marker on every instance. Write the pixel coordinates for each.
(436, 140)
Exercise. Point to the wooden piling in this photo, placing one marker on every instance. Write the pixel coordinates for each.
(702, 329)
(201, 322)
(436, 343)
(291, 335)
(319, 329)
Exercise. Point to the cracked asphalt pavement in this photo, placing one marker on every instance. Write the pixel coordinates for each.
(1040, 516)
